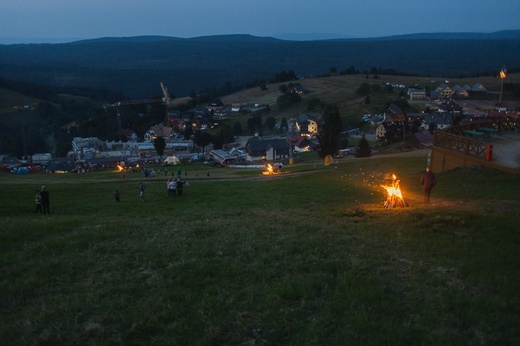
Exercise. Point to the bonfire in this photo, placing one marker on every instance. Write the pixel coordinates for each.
(268, 170)
(394, 198)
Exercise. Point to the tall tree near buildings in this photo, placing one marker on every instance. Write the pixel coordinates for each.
(225, 135)
(251, 126)
(188, 131)
(270, 122)
(159, 144)
(329, 130)
(202, 139)
(363, 148)
(284, 126)
(237, 128)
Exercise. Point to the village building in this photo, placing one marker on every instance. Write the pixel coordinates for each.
(450, 106)
(439, 120)
(268, 149)
(389, 130)
(395, 123)
(477, 87)
(301, 143)
(215, 104)
(443, 91)
(416, 94)
(158, 131)
(382, 129)
(179, 125)
(459, 92)
(419, 139)
(307, 125)
(394, 114)
(298, 89)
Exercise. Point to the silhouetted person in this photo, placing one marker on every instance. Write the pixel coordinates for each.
(38, 200)
(117, 196)
(180, 186)
(141, 190)
(46, 202)
(428, 182)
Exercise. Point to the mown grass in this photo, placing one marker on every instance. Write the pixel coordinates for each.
(302, 258)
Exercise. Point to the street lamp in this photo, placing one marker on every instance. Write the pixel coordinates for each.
(502, 77)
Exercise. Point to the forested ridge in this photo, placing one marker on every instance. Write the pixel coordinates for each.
(135, 66)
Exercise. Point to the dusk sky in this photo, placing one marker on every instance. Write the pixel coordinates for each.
(84, 19)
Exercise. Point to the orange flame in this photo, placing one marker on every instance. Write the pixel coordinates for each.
(269, 169)
(394, 194)
(120, 168)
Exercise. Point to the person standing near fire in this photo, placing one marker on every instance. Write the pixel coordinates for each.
(428, 182)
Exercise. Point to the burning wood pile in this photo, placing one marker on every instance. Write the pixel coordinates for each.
(394, 194)
(269, 169)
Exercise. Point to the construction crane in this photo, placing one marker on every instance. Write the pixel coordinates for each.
(132, 102)
(165, 100)
(166, 104)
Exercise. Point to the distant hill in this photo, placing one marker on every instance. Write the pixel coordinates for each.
(135, 66)
(498, 35)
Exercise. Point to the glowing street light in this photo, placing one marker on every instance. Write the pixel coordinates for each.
(503, 73)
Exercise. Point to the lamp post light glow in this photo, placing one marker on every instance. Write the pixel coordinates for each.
(503, 74)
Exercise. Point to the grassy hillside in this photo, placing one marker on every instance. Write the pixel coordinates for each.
(306, 257)
(341, 90)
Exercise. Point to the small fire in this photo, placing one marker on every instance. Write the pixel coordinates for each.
(120, 168)
(269, 169)
(394, 194)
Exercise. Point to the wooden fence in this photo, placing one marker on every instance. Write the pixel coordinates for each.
(451, 150)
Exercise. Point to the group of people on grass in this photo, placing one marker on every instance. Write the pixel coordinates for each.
(175, 187)
(42, 200)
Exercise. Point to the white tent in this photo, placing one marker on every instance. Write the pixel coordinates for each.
(172, 160)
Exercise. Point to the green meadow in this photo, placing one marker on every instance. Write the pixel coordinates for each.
(306, 257)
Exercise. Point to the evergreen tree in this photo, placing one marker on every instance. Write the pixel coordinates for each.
(284, 126)
(188, 131)
(270, 122)
(329, 130)
(363, 148)
(237, 128)
(202, 139)
(159, 144)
